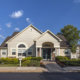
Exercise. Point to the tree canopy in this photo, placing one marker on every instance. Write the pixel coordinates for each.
(72, 34)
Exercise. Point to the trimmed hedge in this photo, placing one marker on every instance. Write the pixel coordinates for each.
(65, 61)
(31, 61)
(28, 61)
(62, 58)
(32, 58)
(9, 61)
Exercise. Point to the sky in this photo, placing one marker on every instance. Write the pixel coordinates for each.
(15, 15)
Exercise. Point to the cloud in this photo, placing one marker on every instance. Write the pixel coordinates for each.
(17, 29)
(8, 24)
(76, 1)
(17, 14)
(2, 37)
(28, 20)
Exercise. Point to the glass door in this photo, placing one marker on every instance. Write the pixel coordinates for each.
(46, 53)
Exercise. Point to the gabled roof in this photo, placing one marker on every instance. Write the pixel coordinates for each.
(48, 31)
(64, 42)
(9, 37)
(61, 37)
(24, 30)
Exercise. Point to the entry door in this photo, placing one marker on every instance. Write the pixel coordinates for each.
(46, 52)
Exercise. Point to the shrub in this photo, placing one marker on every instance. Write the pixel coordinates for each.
(9, 61)
(32, 58)
(31, 63)
(62, 58)
(67, 62)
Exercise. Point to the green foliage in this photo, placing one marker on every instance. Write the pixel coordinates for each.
(28, 61)
(9, 61)
(68, 62)
(62, 58)
(31, 63)
(71, 33)
(32, 58)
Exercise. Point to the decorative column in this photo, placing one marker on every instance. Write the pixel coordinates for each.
(58, 51)
(36, 52)
(40, 52)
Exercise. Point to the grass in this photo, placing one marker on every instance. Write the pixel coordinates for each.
(9, 65)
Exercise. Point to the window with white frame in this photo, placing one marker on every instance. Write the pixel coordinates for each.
(66, 51)
(21, 46)
(4, 52)
(30, 51)
(21, 52)
(13, 51)
(77, 51)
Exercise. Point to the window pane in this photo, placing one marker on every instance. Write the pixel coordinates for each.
(29, 53)
(3, 53)
(13, 51)
(24, 54)
(21, 46)
(19, 54)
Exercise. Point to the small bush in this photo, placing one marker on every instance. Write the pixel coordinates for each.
(62, 58)
(9, 61)
(32, 58)
(65, 61)
(31, 63)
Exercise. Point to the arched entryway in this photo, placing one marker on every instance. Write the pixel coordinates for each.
(47, 50)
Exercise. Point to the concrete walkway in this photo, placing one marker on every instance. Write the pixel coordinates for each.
(22, 69)
(72, 69)
(53, 67)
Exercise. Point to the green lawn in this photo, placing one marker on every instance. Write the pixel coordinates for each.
(9, 65)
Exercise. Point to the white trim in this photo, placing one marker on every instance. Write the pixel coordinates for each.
(48, 31)
(59, 52)
(20, 48)
(11, 51)
(40, 52)
(3, 55)
(21, 43)
(36, 52)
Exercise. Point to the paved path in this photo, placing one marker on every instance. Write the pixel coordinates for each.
(22, 69)
(53, 67)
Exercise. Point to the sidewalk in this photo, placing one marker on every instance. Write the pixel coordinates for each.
(72, 69)
(54, 67)
(22, 69)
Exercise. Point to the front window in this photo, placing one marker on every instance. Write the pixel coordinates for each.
(30, 51)
(13, 51)
(21, 46)
(4, 52)
(66, 51)
(21, 52)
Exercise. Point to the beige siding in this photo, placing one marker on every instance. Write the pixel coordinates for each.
(3, 50)
(27, 37)
(62, 52)
(47, 38)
